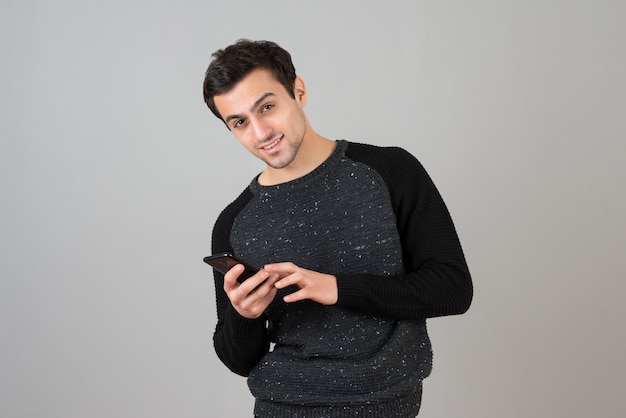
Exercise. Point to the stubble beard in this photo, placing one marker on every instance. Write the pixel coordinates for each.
(292, 151)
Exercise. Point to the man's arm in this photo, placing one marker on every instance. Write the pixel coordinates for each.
(437, 281)
(239, 342)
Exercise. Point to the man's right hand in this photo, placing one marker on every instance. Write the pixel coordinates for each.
(251, 297)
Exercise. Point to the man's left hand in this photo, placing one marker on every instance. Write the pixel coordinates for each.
(319, 287)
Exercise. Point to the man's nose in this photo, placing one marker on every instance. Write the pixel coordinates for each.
(261, 129)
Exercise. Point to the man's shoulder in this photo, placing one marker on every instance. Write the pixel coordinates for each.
(234, 207)
(224, 222)
(377, 155)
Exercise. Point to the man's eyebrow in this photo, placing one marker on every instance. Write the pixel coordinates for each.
(254, 106)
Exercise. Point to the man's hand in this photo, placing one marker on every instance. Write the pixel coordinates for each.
(319, 287)
(251, 297)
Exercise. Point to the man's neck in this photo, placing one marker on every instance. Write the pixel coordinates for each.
(312, 153)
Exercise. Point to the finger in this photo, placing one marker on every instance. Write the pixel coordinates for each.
(230, 278)
(282, 269)
(299, 295)
(268, 298)
(292, 279)
(257, 301)
(252, 283)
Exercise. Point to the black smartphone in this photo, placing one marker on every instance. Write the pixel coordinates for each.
(225, 261)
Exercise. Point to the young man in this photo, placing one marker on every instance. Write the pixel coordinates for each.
(356, 248)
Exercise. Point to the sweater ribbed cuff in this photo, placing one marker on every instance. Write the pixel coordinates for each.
(242, 326)
(351, 292)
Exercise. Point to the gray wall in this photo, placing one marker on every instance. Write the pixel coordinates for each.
(113, 171)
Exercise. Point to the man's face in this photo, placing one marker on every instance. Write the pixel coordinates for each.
(265, 118)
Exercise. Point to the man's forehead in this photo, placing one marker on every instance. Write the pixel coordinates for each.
(256, 82)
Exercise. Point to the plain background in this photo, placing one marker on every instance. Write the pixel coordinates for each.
(113, 172)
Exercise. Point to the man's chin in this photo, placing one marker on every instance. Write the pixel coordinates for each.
(277, 165)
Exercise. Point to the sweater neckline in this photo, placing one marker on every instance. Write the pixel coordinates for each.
(330, 162)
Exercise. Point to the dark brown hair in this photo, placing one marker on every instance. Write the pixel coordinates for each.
(232, 64)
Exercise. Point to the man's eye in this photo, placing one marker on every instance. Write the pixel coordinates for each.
(238, 123)
(266, 107)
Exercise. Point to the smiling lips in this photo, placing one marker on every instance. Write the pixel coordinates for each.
(273, 144)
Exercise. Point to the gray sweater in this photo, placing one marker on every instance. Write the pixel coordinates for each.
(357, 217)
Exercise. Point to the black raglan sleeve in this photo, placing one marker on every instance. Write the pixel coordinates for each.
(437, 280)
(239, 342)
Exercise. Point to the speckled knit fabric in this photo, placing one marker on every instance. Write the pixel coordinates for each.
(328, 361)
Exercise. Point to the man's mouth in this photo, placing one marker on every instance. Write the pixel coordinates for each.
(272, 144)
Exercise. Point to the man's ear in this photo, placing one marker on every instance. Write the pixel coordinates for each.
(299, 91)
